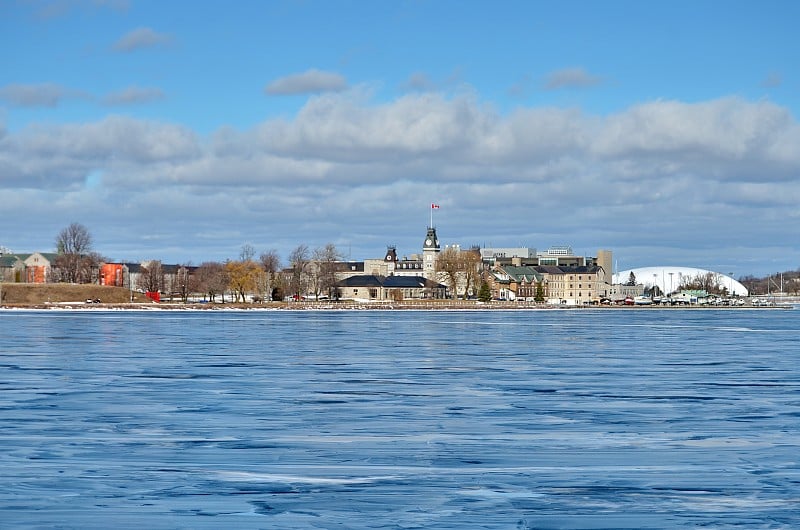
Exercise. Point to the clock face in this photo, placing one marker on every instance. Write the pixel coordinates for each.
(388, 257)
(428, 242)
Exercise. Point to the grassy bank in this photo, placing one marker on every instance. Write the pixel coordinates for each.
(34, 294)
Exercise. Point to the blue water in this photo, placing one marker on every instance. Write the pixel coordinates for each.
(379, 419)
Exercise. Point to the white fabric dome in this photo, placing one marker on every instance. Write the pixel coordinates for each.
(668, 278)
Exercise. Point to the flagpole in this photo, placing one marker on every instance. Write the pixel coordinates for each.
(434, 206)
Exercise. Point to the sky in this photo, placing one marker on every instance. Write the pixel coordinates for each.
(666, 132)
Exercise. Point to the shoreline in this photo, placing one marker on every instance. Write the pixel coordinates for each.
(373, 306)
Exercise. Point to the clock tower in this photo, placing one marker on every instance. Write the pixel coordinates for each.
(430, 252)
(391, 260)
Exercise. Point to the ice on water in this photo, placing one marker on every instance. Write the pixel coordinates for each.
(373, 419)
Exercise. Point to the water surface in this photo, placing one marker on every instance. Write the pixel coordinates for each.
(400, 419)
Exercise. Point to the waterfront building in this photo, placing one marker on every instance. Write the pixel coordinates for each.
(12, 268)
(370, 287)
(39, 267)
(573, 285)
(568, 278)
(561, 285)
(511, 282)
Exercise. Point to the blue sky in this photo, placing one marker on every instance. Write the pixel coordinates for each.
(180, 131)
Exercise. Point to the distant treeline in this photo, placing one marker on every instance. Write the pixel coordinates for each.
(787, 282)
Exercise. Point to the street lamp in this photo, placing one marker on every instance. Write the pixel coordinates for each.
(130, 283)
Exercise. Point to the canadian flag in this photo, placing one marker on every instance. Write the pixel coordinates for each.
(434, 206)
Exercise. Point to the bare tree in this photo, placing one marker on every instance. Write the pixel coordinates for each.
(298, 261)
(75, 258)
(460, 269)
(212, 279)
(247, 253)
(322, 270)
(151, 278)
(447, 265)
(184, 282)
(709, 282)
(471, 266)
(271, 264)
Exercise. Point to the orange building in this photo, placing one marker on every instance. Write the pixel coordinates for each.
(38, 266)
(36, 274)
(112, 274)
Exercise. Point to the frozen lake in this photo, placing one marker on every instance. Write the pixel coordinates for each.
(400, 419)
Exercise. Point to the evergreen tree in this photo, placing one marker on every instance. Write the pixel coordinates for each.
(539, 292)
(484, 293)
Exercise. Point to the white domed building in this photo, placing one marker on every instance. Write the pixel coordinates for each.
(668, 278)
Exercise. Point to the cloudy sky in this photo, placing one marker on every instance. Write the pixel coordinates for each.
(665, 131)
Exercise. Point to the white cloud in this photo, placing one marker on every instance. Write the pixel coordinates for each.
(419, 81)
(52, 95)
(33, 95)
(711, 175)
(344, 127)
(60, 156)
(140, 38)
(571, 78)
(134, 95)
(309, 82)
(724, 135)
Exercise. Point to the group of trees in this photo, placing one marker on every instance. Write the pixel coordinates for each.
(314, 272)
(258, 278)
(177, 280)
(460, 270)
(709, 282)
(308, 272)
(262, 277)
